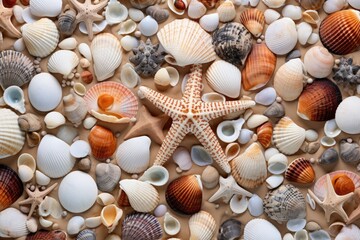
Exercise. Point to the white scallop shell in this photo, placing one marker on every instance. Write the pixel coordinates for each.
(148, 26)
(209, 22)
(127, 27)
(271, 16)
(156, 175)
(68, 43)
(13, 223)
(268, 231)
(50, 8)
(331, 129)
(172, 226)
(129, 76)
(54, 119)
(304, 31)
(319, 62)
(347, 115)
(63, 62)
(292, 11)
(115, 12)
(53, 157)
(281, 36)
(196, 9)
(202, 226)
(75, 224)
(14, 98)
(274, 3)
(84, 50)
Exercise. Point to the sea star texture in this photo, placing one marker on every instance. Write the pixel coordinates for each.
(5, 21)
(191, 115)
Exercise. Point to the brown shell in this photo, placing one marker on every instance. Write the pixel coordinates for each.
(300, 171)
(340, 32)
(311, 4)
(343, 184)
(319, 100)
(46, 235)
(259, 67)
(254, 20)
(184, 194)
(264, 134)
(102, 142)
(123, 200)
(209, 3)
(11, 187)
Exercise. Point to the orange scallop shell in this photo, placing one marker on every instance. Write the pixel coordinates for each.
(102, 142)
(254, 20)
(264, 134)
(259, 67)
(343, 184)
(184, 194)
(340, 32)
(300, 171)
(319, 100)
(11, 187)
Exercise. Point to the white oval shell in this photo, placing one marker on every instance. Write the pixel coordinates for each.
(84, 50)
(226, 11)
(200, 156)
(209, 22)
(75, 224)
(13, 223)
(127, 27)
(256, 120)
(294, 225)
(292, 11)
(93, 222)
(148, 26)
(271, 16)
(196, 9)
(115, 12)
(63, 62)
(80, 149)
(347, 115)
(277, 163)
(156, 175)
(266, 96)
(49, 8)
(128, 76)
(281, 36)
(18, 10)
(136, 14)
(105, 199)
(274, 181)
(54, 119)
(354, 3)
(182, 158)
(255, 206)
(274, 3)
(331, 6)
(304, 31)
(41, 179)
(331, 129)
(68, 43)
(238, 204)
(129, 42)
(268, 231)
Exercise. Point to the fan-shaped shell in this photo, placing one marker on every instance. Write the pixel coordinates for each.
(13, 223)
(102, 142)
(107, 55)
(347, 115)
(41, 37)
(285, 203)
(15, 69)
(47, 235)
(311, 4)
(287, 136)
(340, 32)
(63, 62)
(86, 234)
(187, 43)
(268, 230)
(319, 101)
(11, 187)
(123, 109)
(253, 19)
(107, 176)
(249, 168)
(300, 171)
(184, 194)
(259, 67)
(41, 8)
(202, 226)
(318, 62)
(141, 226)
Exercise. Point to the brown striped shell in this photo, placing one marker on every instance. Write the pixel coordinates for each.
(254, 20)
(46, 235)
(102, 142)
(300, 171)
(11, 187)
(141, 226)
(311, 4)
(264, 133)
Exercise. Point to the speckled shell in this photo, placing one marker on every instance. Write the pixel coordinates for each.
(233, 43)
(311, 4)
(319, 101)
(102, 142)
(349, 152)
(141, 226)
(66, 22)
(202, 226)
(285, 203)
(230, 229)
(11, 187)
(47, 235)
(253, 19)
(184, 194)
(300, 171)
(107, 176)
(340, 32)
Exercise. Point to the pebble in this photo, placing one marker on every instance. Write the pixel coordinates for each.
(312, 226)
(55, 226)
(77, 75)
(178, 170)
(64, 214)
(311, 135)
(160, 210)
(278, 99)
(84, 63)
(108, 160)
(310, 80)
(137, 34)
(134, 176)
(38, 70)
(266, 96)
(71, 76)
(312, 160)
(36, 62)
(32, 188)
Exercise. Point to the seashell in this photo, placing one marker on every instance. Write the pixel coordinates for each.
(245, 136)
(110, 216)
(53, 157)
(127, 27)
(209, 22)
(68, 43)
(281, 36)
(26, 167)
(85, 51)
(13, 223)
(140, 4)
(11, 187)
(84, 164)
(148, 26)
(301, 235)
(255, 206)
(41, 179)
(50, 206)
(89, 122)
(128, 76)
(319, 101)
(67, 133)
(14, 98)
(238, 204)
(354, 4)
(320, 234)
(209, 3)
(16, 69)
(74, 108)
(343, 184)
(54, 119)
(232, 150)
(182, 158)
(44, 92)
(47, 235)
(331, 129)
(141, 225)
(312, 17)
(311, 4)
(343, 38)
(274, 181)
(171, 225)
(202, 226)
(210, 177)
(295, 225)
(107, 176)
(122, 110)
(143, 197)
(79, 89)
(86, 234)
(115, 12)
(63, 62)
(93, 222)
(196, 9)
(254, 20)
(112, 237)
(128, 43)
(348, 232)
(271, 16)
(304, 31)
(77, 192)
(228, 131)
(136, 15)
(327, 141)
(84, 63)
(270, 152)
(183, 50)
(79, 149)
(230, 229)
(249, 168)
(177, 7)
(102, 142)
(274, 3)
(285, 203)
(200, 156)
(166, 77)
(226, 11)
(41, 37)
(314, 38)
(292, 11)
(96, 27)
(66, 21)
(264, 133)
(256, 120)
(266, 97)
(293, 70)
(75, 224)
(349, 151)
(33, 139)
(27, 16)
(346, 118)
(268, 231)
(184, 194)
(332, 6)
(329, 158)
(318, 62)
(160, 210)
(277, 163)
(157, 13)
(49, 9)
(300, 171)
(155, 175)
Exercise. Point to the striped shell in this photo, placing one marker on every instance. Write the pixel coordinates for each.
(264, 133)
(46, 235)
(141, 226)
(202, 226)
(66, 22)
(300, 171)
(254, 20)
(86, 234)
(11, 187)
(102, 142)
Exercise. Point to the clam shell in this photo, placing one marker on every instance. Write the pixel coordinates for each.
(66, 21)
(102, 142)
(292, 11)
(45, 9)
(210, 177)
(171, 224)
(156, 175)
(304, 31)
(54, 119)
(107, 176)
(311, 4)
(332, 6)
(47, 235)
(184, 194)
(274, 3)
(182, 158)
(75, 224)
(209, 22)
(300, 171)
(74, 108)
(226, 11)
(68, 43)
(200, 156)
(128, 76)
(11, 187)
(266, 97)
(148, 26)
(312, 17)
(318, 62)
(254, 20)
(141, 225)
(115, 12)
(277, 163)
(202, 226)
(230, 229)
(129, 42)
(274, 181)
(268, 231)
(196, 9)
(271, 16)
(264, 133)
(110, 216)
(63, 62)
(13, 223)
(347, 116)
(349, 151)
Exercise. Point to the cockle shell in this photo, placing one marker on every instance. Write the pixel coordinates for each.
(63, 62)
(264, 133)
(268, 230)
(318, 62)
(45, 9)
(110, 216)
(107, 176)
(202, 226)
(11, 187)
(311, 4)
(342, 184)
(74, 108)
(281, 36)
(86, 234)
(347, 115)
(196, 9)
(66, 21)
(47, 235)
(300, 171)
(102, 142)
(226, 11)
(274, 3)
(13, 223)
(171, 224)
(254, 20)
(141, 225)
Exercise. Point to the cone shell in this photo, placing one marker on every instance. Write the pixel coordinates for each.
(141, 226)
(287, 136)
(268, 230)
(46, 235)
(285, 203)
(254, 20)
(102, 142)
(311, 4)
(319, 101)
(107, 55)
(184, 194)
(249, 169)
(202, 226)
(63, 62)
(340, 32)
(41, 37)
(300, 171)
(11, 187)
(264, 133)
(187, 42)
(11, 137)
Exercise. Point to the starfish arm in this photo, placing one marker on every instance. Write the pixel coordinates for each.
(312, 194)
(26, 201)
(97, 17)
(212, 110)
(240, 191)
(32, 209)
(89, 27)
(76, 4)
(194, 84)
(48, 190)
(221, 193)
(100, 6)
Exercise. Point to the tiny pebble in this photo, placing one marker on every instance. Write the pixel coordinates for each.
(312, 160)
(63, 85)
(39, 59)
(42, 188)
(36, 62)
(311, 135)
(108, 160)
(117, 134)
(72, 83)
(36, 65)
(337, 61)
(310, 80)
(43, 133)
(134, 176)
(55, 226)
(160, 210)
(178, 170)
(74, 70)
(71, 76)
(312, 226)
(77, 75)
(258, 40)
(64, 214)
(24, 209)
(262, 37)
(349, 140)
(38, 70)
(32, 188)
(68, 83)
(217, 206)
(63, 81)
(137, 34)
(278, 99)
(255, 137)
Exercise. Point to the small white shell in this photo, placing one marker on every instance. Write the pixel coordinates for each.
(160, 210)
(277, 164)
(27, 16)
(25, 173)
(256, 120)
(304, 31)
(41, 179)
(128, 76)
(266, 96)
(281, 36)
(54, 119)
(288, 236)
(84, 50)
(182, 158)
(292, 11)
(310, 201)
(27, 166)
(93, 222)
(89, 122)
(226, 11)
(136, 15)
(319, 62)
(171, 224)
(45, 223)
(274, 3)
(110, 216)
(50, 206)
(274, 181)
(79, 88)
(271, 16)
(346, 118)
(312, 17)
(156, 175)
(311, 135)
(232, 150)
(75, 225)
(331, 129)
(148, 26)
(213, 97)
(50, 8)
(314, 38)
(238, 204)
(129, 42)
(327, 141)
(80, 149)
(14, 98)
(196, 9)
(68, 43)
(294, 225)
(19, 45)
(228, 131)
(270, 152)
(209, 22)
(174, 9)
(301, 235)
(354, 3)
(18, 10)
(67, 133)
(127, 27)
(115, 12)
(268, 230)
(97, 27)
(255, 206)
(200, 156)
(331, 6)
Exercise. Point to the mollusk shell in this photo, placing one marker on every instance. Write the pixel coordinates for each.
(274, 3)
(110, 216)
(268, 230)
(264, 133)
(349, 151)
(86, 234)
(230, 229)
(202, 226)
(226, 11)
(107, 176)
(40, 8)
(347, 115)
(47, 235)
(66, 22)
(74, 108)
(354, 4)
(63, 62)
(13, 223)
(141, 226)
(318, 62)
(11, 187)
(102, 142)
(343, 184)
(155, 175)
(340, 32)
(171, 224)
(254, 20)
(300, 171)
(311, 4)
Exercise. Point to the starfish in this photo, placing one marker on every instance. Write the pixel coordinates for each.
(88, 13)
(228, 187)
(5, 21)
(332, 202)
(355, 215)
(191, 115)
(36, 197)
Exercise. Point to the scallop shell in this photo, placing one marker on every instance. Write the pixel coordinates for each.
(184, 194)
(15, 69)
(63, 62)
(187, 43)
(141, 226)
(74, 108)
(346, 118)
(66, 21)
(319, 101)
(107, 55)
(226, 11)
(254, 20)
(110, 216)
(274, 3)
(340, 32)
(268, 230)
(11, 187)
(107, 176)
(285, 203)
(86, 234)
(249, 168)
(311, 4)
(300, 171)
(41, 37)
(13, 223)
(287, 136)
(47, 235)
(124, 108)
(102, 142)
(319, 62)
(264, 133)
(202, 226)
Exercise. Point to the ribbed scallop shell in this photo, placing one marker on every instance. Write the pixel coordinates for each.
(41, 8)
(11, 187)
(63, 62)
(249, 168)
(187, 42)
(300, 171)
(319, 100)
(143, 197)
(311, 4)
(264, 133)
(86, 234)
(102, 142)
(184, 194)
(107, 176)
(15, 69)
(253, 19)
(268, 230)
(141, 226)
(287, 136)
(12, 139)
(340, 32)
(47, 235)
(66, 22)
(125, 104)
(41, 37)
(13, 223)
(285, 203)
(107, 55)
(202, 226)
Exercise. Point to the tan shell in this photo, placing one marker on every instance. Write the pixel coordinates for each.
(254, 20)
(311, 4)
(202, 226)
(74, 108)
